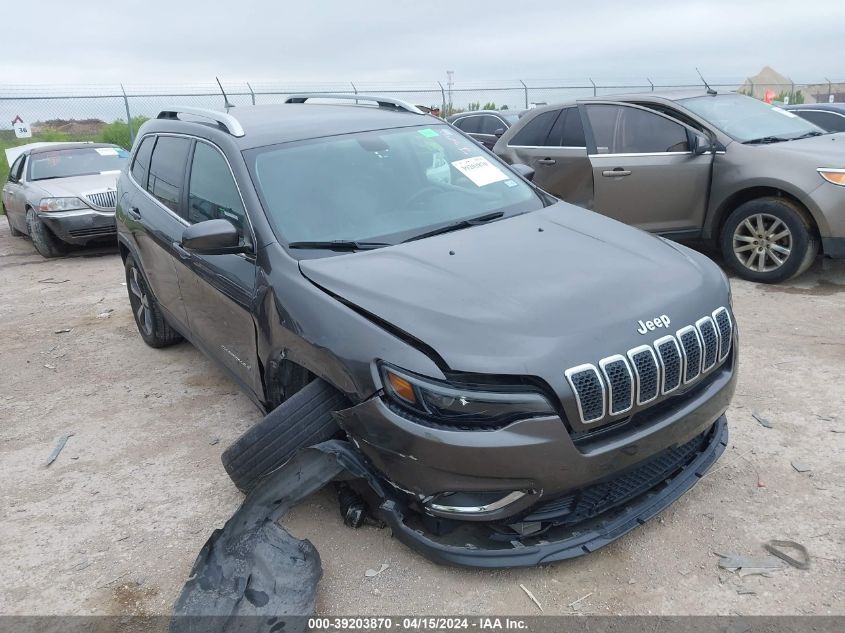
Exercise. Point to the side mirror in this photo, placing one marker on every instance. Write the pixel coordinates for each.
(212, 237)
(524, 170)
(701, 144)
(498, 133)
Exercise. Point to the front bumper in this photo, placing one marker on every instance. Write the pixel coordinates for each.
(471, 544)
(80, 225)
(539, 456)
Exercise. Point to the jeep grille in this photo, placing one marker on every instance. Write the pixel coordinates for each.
(645, 372)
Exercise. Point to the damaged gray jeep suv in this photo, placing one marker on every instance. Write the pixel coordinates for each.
(521, 380)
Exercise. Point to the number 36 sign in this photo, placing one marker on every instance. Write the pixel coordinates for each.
(21, 128)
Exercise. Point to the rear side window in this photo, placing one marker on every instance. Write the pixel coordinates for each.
(626, 130)
(829, 121)
(212, 192)
(489, 124)
(470, 124)
(167, 170)
(536, 130)
(141, 162)
(567, 130)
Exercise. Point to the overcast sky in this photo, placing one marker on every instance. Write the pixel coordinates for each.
(153, 42)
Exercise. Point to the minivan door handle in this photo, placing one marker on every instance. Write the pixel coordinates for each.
(616, 171)
(547, 161)
(134, 212)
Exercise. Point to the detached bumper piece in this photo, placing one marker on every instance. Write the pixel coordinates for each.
(569, 526)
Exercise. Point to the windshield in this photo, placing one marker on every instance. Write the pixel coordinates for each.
(83, 161)
(746, 119)
(385, 186)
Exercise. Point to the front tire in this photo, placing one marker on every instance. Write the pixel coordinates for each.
(47, 244)
(769, 240)
(152, 326)
(302, 420)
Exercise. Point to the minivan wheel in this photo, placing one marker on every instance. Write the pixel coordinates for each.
(47, 244)
(151, 323)
(768, 240)
(302, 420)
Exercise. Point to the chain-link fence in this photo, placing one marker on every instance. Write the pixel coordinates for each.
(101, 112)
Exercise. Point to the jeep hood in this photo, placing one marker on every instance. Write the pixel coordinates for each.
(558, 285)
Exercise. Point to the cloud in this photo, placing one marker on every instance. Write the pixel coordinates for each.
(158, 42)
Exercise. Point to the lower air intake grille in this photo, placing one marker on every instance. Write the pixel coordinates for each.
(577, 507)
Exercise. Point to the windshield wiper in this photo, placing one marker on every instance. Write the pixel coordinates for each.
(763, 140)
(339, 245)
(807, 135)
(455, 226)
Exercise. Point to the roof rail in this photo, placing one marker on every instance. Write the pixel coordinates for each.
(383, 102)
(226, 121)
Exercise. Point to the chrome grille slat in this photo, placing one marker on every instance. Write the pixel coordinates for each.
(725, 327)
(671, 363)
(710, 342)
(691, 350)
(103, 199)
(648, 371)
(589, 390)
(620, 382)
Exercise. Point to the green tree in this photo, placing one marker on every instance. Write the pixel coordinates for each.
(117, 132)
(489, 106)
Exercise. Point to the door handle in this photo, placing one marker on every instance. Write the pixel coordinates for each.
(547, 161)
(616, 171)
(134, 212)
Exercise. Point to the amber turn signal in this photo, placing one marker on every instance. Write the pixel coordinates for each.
(401, 387)
(833, 176)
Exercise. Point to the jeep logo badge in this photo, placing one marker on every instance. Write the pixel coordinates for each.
(649, 326)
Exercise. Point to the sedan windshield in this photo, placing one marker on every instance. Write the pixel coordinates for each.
(80, 161)
(384, 187)
(746, 119)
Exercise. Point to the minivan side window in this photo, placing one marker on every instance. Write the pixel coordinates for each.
(567, 130)
(536, 130)
(627, 130)
(167, 170)
(141, 162)
(212, 192)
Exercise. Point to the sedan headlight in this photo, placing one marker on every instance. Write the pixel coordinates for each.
(459, 405)
(61, 204)
(833, 176)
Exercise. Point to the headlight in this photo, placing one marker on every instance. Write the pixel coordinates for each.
(459, 405)
(60, 204)
(833, 176)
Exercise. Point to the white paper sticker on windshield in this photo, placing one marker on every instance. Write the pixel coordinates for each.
(106, 151)
(785, 112)
(480, 170)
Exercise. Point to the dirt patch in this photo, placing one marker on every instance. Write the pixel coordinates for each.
(115, 523)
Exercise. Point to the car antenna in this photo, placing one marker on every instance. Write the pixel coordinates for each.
(710, 90)
(226, 103)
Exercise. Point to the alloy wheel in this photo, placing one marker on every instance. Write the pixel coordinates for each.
(762, 242)
(140, 302)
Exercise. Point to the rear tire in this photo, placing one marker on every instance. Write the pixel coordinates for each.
(12, 229)
(152, 326)
(302, 420)
(769, 240)
(47, 244)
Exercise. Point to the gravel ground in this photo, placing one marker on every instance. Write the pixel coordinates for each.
(114, 524)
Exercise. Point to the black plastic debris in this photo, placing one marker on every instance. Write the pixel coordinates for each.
(252, 575)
